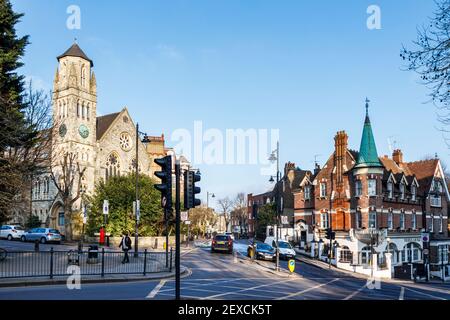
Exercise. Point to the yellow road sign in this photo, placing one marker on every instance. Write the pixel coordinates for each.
(291, 265)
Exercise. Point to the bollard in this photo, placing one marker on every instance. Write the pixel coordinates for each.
(36, 245)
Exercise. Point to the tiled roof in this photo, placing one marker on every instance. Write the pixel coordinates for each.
(424, 171)
(75, 51)
(368, 156)
(104, 122)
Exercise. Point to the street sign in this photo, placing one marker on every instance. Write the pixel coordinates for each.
(84, 219)
(284, 220)
(425, 237)
(426, 251)
(184, 215)
(137, 209)
(291, 265)
(105, 207)
(187, 222)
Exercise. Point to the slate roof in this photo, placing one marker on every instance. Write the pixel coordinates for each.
(75, 51)
(104, 122)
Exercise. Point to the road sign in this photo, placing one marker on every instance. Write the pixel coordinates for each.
(84, 219)
(105, 207)
(137, 209)
(425, 237)
(291, 265)
(426, 251)
(187, 222)
(184, 215)
(284, 220)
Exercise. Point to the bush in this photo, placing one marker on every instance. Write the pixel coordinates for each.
(33, 222)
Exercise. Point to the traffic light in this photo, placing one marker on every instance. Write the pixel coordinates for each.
(165, 187)
(330, 234)
(190, 190)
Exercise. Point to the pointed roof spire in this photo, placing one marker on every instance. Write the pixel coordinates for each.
(368, 156)
(75, 51)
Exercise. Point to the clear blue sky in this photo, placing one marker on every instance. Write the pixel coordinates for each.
(304, 67)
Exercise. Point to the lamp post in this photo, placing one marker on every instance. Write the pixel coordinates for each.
(275, 156)
(137, 207)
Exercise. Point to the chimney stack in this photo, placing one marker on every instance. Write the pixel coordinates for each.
(340, 145)
(397, 156)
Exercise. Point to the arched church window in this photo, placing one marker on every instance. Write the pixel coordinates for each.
(112, 166)
(132, 167)
(83, 110)
(87, 111)
(78, 109)
(60, 110)
(83, 76)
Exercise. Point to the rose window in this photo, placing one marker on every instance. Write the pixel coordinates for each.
(125, 141)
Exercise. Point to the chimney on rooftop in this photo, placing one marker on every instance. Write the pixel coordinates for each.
(397, 156)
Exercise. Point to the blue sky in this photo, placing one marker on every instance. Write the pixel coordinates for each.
(303, 67)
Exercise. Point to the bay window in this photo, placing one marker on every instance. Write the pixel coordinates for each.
(358, 188)
(372, 188)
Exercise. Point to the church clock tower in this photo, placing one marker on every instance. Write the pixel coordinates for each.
(74, 109)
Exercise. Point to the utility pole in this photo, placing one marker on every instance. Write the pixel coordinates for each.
(276, 156)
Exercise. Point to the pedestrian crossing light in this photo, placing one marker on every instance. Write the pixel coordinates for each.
(190, 190)
(165, 187)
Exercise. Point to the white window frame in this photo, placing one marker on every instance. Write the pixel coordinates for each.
(402, 191)
(390, 188)
(308, 192)
(432, 223)
(402, 221)
(435, 200)
(413, 192)
(372, 187)
(358, 188)
(323, 189)
(324, 220)
(371, 215)
(390, 221)
(414, 221)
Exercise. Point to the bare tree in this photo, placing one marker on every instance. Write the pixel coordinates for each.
(67, 176)
(226, 205)
(201, 218)
(20, 164)
(431, 58)
(239, 212)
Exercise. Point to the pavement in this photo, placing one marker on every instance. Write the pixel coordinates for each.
(211, 276)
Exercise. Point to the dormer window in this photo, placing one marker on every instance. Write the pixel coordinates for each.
(413, 192)
(390, 188)
(402, 190)
(358, 188)
(307, 192)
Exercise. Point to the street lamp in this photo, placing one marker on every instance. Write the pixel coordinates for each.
(137, 207)
(207, 197)
(275, 156)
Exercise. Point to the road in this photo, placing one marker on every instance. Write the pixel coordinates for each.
(225, 276)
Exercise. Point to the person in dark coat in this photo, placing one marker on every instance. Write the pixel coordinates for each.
(125, 244)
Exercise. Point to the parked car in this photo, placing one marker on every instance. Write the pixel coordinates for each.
(285, 249)
(230, 234)
(11, 232)
(222, 242)
(43, 235)
(263, 251)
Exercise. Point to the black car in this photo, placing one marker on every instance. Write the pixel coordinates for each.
(222, 242)
(263, 251)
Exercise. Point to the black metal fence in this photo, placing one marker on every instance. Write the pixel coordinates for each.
(21, 264)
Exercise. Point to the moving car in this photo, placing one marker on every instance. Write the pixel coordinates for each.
(43, 235)
(230, 234)
(222, 242)
(263, 251)
(11, 232)
(285, 249)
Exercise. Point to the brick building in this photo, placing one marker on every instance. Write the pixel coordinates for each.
(380, 208)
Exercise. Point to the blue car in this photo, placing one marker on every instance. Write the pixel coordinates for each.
(263, 251)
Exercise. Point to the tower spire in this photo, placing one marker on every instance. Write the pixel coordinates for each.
(368, 156)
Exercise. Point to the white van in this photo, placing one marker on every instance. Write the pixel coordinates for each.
(286, 250)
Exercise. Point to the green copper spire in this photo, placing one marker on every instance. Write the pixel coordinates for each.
(368, 156)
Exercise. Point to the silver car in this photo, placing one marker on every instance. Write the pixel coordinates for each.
(43, 235)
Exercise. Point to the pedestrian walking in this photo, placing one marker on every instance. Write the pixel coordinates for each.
(125, 244)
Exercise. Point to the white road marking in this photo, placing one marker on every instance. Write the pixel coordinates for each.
(246, 289)
(402, 293)
(306, 290)
(155, 291)
(355, 292)
(425, 294)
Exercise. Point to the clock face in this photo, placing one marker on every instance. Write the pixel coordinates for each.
(84, 131)
(62, 130)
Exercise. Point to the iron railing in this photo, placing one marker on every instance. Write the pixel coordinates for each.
(21, 264)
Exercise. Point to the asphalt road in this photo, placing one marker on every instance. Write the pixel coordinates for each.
(225, 276)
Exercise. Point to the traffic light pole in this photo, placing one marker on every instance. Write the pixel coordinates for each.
(177, 229)
(166, 217)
